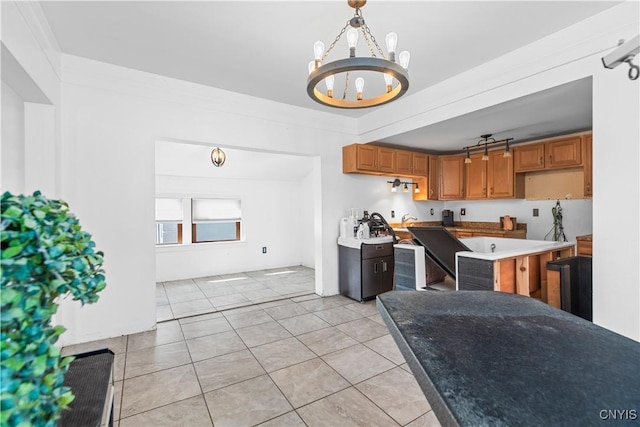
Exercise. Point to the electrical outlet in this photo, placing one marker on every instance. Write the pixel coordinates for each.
(431, 211)
(393, 214)
(463, 211)
(264, 249)
(536, 212)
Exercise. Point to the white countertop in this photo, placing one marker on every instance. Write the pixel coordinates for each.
(356, 243)
(508, 248)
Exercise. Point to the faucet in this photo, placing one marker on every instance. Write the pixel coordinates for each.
(407, 217)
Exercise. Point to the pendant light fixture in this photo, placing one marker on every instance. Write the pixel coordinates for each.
(391, 73)
(218, 157)
(484, 143)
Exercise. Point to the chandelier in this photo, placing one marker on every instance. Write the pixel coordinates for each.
(392, 77)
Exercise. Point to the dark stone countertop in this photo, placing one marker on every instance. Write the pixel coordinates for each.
(491, 358)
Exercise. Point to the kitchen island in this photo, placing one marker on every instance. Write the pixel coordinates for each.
(486, 358)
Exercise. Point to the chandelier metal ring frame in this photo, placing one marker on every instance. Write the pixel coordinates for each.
(354, 64)
(389, 68)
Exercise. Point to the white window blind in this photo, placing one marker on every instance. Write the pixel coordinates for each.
(169, 210)
(207, 210)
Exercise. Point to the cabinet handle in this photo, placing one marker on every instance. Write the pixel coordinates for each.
(491, 190)
(551, 159)
(384, 266)
(375, 268)
(541, 159)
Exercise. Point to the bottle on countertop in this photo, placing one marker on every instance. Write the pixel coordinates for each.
(345, 225)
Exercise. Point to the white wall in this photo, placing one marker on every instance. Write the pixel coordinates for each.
(272, 216)
(111, 119)
(616, 183)
(576, 215)
(12, 149)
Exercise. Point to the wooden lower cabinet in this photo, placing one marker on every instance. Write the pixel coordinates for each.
(465, 233)
(585, 245)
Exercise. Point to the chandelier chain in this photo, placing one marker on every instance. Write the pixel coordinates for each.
(366, 31)
(346, 85)
(326, 53)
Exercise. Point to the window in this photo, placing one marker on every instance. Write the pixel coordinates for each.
(168, 221)
(215, 220)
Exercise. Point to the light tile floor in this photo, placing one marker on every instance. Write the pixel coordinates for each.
(301, 361)
(184, 298)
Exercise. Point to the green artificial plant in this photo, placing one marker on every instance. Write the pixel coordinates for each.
(45, 255)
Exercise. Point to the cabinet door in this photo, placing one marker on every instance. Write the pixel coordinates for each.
(500, 175)
(451, 178)
(432, 182)
(476, 178)
(386, 160)
(377, 276)
(564, 152)
(404, 162)
(528, 157)
(588, 165)
(366, 157)
(420, 164)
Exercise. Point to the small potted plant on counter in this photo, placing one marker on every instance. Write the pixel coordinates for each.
(45, 255)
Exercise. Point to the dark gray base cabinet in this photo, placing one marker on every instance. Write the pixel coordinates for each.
(366, 272)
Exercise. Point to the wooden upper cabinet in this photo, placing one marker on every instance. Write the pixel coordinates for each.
(411, 164)
(420, 164)
(434, 178)
(366, 158)
(564, 152)
(451, 177)
(587, 152)
(554, 154)
(371, 159)
(500, 176)
(476, 178)
(528, 157)
(386, 160)
(404, 162)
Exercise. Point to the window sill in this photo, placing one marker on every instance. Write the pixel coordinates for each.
(182, 247)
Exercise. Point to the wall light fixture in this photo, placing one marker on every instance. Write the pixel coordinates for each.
(397, 183)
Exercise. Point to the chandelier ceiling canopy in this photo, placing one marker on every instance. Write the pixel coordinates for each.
(387, 79)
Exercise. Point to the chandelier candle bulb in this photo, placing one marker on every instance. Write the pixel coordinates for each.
(404, 59)
(352, 40)
(329, 83)
(318, 50)
(359, 87)
(392, 43)
(388, 80)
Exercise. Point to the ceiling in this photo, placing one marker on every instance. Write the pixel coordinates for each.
(262, 48)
